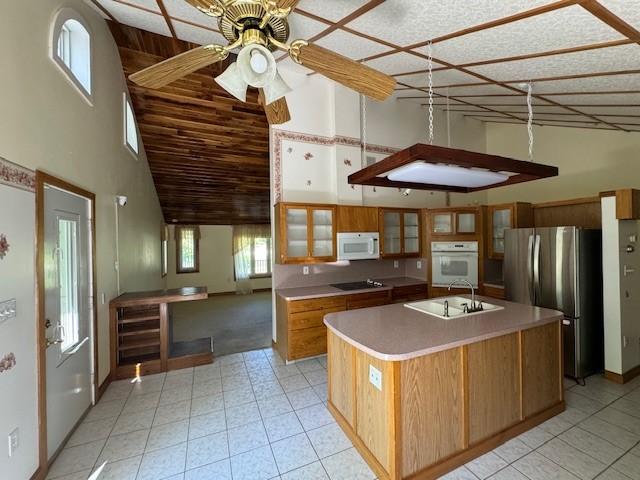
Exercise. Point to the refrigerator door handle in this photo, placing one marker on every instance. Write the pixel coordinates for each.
(530, 271)
(536, 268)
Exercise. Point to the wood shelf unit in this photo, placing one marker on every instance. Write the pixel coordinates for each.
(140, 333)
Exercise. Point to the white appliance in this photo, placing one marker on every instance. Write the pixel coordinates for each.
(358, 246)
(452, 261)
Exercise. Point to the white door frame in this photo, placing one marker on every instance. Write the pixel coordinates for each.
(43, 179)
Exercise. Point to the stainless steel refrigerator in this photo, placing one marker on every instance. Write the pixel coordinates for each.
(561, 268)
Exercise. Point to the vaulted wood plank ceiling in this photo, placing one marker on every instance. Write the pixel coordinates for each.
(208, 152)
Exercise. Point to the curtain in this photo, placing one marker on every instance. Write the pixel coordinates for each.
(243, 243)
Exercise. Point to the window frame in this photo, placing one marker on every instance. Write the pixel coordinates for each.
(254, 275)
(196, 254)
(164, 251)
(126, 106)
(61, 18)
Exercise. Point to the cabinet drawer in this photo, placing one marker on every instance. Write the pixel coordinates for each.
(315, 318)
(310, 305)
(307, 342)
(364, 300)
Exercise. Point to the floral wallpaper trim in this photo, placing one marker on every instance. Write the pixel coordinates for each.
(279, 135)
(4, 246)
(7, 362)
(15, 175)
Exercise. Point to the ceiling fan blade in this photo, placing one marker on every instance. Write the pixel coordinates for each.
(210, 7)
(170, 70)
(343, 70)
(277, 112)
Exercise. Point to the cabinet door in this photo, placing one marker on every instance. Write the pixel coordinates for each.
(466, 222)
(392, 237)
(411, 232)
(501, 219)
(297, 232)
(323, 233)
(442, 223)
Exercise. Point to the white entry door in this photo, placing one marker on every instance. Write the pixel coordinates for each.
(68, 312)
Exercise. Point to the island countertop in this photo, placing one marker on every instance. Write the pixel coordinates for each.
(397, 333)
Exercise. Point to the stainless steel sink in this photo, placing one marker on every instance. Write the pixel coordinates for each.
(456, 307)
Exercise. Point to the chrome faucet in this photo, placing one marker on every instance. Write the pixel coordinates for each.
(473, 291)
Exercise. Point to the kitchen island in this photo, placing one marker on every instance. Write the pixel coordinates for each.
(421, 395)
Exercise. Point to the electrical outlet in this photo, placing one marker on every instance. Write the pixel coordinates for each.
(419, 264)
(7, 310)
(14, 441)
(305, 270)
(103, 298)
(396, 264)
(375, 377)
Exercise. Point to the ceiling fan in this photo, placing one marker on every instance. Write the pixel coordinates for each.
(258, 28)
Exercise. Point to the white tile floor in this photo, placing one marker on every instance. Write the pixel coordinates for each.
(250, 417)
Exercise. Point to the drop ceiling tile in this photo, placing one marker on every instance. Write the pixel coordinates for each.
(476, 90)
(563, 28)
(622, 120)
(498, 102)
(400, 62)
(334, 10)
(440, 78)
(182, 10)
(293, 67)
(628, 10)
(619, 110)
(591, 84)
(350, 45)
(629, 99)
(406, 22)
(626, 57)
(304, 27)
(135, 17)
(538, 110)
(201, 36)
(144, 4)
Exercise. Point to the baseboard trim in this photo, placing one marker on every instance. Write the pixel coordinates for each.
(625, 377)
(220, 294)
(103, 387)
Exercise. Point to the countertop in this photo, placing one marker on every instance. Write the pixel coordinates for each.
(184, 294)
(396, 333)
(320, 291)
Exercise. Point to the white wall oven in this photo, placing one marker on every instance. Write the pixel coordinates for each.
(452, 261)
(358, 246)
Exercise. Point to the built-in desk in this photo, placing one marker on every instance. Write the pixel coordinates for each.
(142, 334)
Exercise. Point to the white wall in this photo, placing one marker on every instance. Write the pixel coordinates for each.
(46, 124)
(590, 161)
(216, 262)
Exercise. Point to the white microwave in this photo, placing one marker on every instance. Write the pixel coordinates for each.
(358, 246)
(452, 261)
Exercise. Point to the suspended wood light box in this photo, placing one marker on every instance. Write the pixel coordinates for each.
(428, 167)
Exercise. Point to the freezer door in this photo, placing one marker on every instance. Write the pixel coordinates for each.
(554, 267)
(518, 267)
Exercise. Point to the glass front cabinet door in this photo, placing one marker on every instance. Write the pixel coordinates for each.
(307, 233)
(411, 231)
(442, 223)
(391, 234)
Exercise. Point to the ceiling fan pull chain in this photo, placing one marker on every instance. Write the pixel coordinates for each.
(430, 77)
(363, 130)
(530, 120)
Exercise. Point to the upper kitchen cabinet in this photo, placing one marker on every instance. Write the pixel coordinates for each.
(450, 221)
(353, 219)
(502, 217)
(399, 232)
(306, 233)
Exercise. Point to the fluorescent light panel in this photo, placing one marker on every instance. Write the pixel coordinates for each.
(447, 175)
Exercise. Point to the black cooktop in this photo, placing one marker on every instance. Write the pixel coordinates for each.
(357, 285)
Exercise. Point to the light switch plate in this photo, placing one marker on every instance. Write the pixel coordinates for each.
(305, 270)
(419, 264)
(14, 441)
(375, 377)
(396, 264)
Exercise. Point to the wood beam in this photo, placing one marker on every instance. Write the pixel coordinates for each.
(167, 19)
(615, 22)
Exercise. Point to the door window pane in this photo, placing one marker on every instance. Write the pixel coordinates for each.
(187, 244)
(68, 280)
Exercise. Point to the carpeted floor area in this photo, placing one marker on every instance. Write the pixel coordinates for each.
(237, 323)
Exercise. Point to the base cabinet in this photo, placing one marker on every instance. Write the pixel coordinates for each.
(439, 411)
(300, 328)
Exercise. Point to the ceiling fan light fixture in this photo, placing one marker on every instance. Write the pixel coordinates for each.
(257, 65)
(233, 82)
(277, 89)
